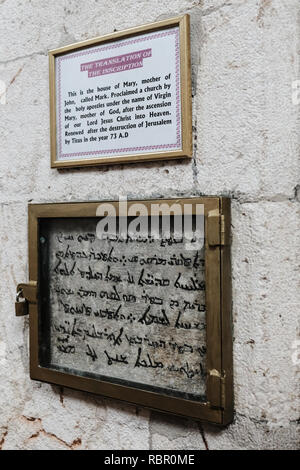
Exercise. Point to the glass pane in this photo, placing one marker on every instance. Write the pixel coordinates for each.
(128, 310)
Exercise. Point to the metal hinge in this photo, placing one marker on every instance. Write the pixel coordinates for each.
(216, 229)
(26, 294)
(217, 382)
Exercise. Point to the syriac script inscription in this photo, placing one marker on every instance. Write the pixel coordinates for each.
(127, 310)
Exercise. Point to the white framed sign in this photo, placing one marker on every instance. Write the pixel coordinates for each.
(123, 97)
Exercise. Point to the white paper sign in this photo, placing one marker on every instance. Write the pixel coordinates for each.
(119, 98)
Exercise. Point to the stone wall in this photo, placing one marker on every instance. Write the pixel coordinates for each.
(245, 58)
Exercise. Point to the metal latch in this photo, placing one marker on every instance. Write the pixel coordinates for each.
(26, 293)
(216, 228)
(216, 390)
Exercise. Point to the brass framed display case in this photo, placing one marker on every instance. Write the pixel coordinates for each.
(143, 320)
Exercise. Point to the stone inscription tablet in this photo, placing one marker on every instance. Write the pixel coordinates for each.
(128, 311)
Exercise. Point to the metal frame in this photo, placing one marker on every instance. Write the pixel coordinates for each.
(219, 406)
(186, 96)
